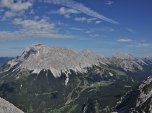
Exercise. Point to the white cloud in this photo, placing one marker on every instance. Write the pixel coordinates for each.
(130, 30)
(89, 20)
(32, 29)
(143, 45)
(97, 22)
(80, 19)
(59, 23)
(84, 19)
(64, 10)
(15, 6)
(140, 45)
(88, 32)
(73, 8)
(42, 24)
(21, 34)
(81, 8)
(124, 40)
(76, 28)
(109, 2)
(9, 14)
(93, 35)
(32, 12)
(67, 12)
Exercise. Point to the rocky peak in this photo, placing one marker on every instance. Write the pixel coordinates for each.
(56, 59)
(127, 62)
(123, 56)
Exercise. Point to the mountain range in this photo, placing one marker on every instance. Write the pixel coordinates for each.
(47, 79)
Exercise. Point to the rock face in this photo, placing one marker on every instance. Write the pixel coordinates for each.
(127, 62)
(139, 100)
(58, 60)
(6, 107)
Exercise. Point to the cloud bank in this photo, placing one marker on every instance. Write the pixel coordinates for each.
(15, 6)
(76, 7)
(67, 12)
(81, 8)
(32, 29)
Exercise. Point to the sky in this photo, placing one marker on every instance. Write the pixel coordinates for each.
(102, 26)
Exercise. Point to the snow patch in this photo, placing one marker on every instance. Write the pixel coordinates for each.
(36, 71)
(111, 74)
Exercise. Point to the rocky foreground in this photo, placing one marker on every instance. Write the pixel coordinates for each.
(138, 100)
(6, 107)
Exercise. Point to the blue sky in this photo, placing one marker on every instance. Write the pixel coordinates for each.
(102, 26)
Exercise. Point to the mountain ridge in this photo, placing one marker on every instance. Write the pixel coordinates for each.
(57, 59)
(93, 88)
